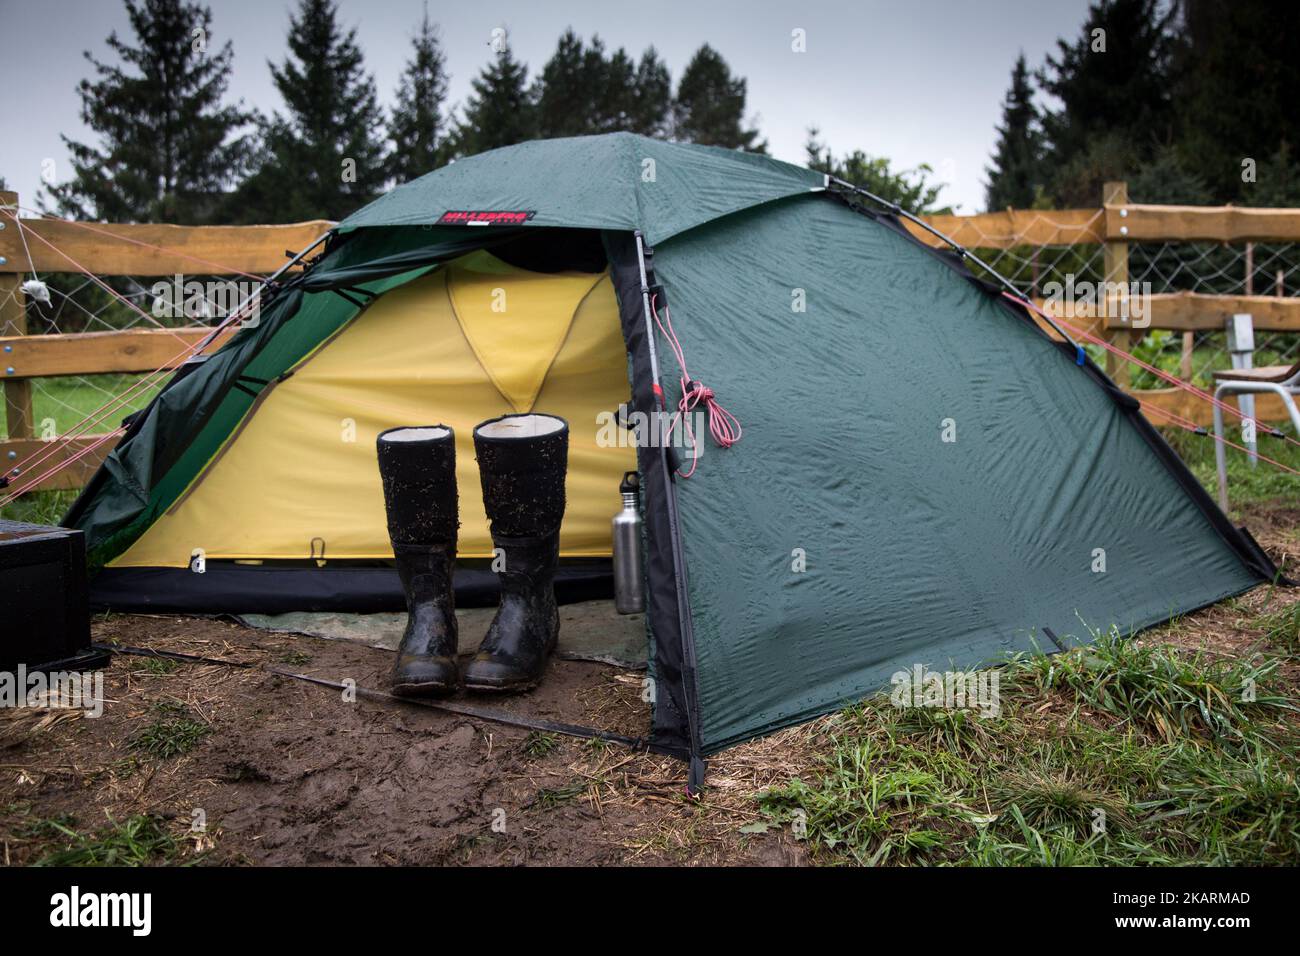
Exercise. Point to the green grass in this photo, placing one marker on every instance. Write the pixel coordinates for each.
(154, 666)
(67, 401)
(137, 841)
(1282, 627)
(173, 732)
(1246, 485)
(39, 507)
(1115, 754)
(550, 797)
(1166, 693)
(539, 744)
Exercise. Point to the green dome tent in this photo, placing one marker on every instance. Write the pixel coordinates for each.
(925, 476)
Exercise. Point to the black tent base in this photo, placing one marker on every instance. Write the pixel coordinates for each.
(92, 659)
(228, 588)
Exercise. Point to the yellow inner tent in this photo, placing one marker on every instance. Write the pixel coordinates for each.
(473, 340)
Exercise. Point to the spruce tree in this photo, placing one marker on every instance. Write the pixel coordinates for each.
(651, 111)
(1016, 173)
(1240, 98)
(567, 89)
(500, 110)
(617, 93)
(710, 105)
(582, 91)
(635, 97)
(1114, 82)
(324, 156)
(418, 125)
(169, 145)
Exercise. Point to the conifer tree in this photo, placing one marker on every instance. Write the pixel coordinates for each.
(500, 110)
(169, 144)
(1016, 174)
(710, 105)
(418, 123)
(324, 156)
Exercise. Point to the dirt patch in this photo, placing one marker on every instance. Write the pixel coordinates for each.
(283, 772)
(1230, 628)
(1276, 526)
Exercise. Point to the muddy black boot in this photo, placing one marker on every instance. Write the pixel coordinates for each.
(522, 460)
(418, 470)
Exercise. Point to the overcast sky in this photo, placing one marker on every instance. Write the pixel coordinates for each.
(918, 81)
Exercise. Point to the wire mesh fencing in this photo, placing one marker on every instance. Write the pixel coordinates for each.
(1161, 269)
(1043, 253)
(173, 308)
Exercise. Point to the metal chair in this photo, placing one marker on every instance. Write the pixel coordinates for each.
(1282, 380)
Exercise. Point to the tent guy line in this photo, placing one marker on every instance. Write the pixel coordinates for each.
(1173, 380)
(98, 415)
(86, 272)
(138, 242)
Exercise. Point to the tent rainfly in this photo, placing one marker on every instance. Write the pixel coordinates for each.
(926, 476)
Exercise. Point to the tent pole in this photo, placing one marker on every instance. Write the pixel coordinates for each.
(965, 253)
(645, 301)
(698, 766)
(265, 282)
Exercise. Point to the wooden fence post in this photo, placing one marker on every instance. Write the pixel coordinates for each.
(13, 321)
(1115, 269)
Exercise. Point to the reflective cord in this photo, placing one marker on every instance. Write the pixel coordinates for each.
(1158, 372)
(119, 401)
(1193, 427)
(723, 426)
(1171, 417)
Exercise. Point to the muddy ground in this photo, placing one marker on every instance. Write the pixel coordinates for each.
(285, 772)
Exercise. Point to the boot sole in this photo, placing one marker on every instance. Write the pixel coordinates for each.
(519, 687)
(503, 688)
(424, 690)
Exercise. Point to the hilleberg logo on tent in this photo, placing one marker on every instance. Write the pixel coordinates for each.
(486, 217)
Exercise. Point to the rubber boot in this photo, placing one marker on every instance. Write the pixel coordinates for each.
(418, 469)
(522, 461)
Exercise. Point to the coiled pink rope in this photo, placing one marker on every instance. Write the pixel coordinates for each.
(723, 426)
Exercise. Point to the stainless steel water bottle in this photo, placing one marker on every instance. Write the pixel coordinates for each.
(629, 582)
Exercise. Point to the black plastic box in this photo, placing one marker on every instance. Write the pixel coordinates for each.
(44, 616)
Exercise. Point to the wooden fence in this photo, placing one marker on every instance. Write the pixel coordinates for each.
(54, 246)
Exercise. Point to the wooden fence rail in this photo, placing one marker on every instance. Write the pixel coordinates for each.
(96, 353)
(55, 246)
(147, 250)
